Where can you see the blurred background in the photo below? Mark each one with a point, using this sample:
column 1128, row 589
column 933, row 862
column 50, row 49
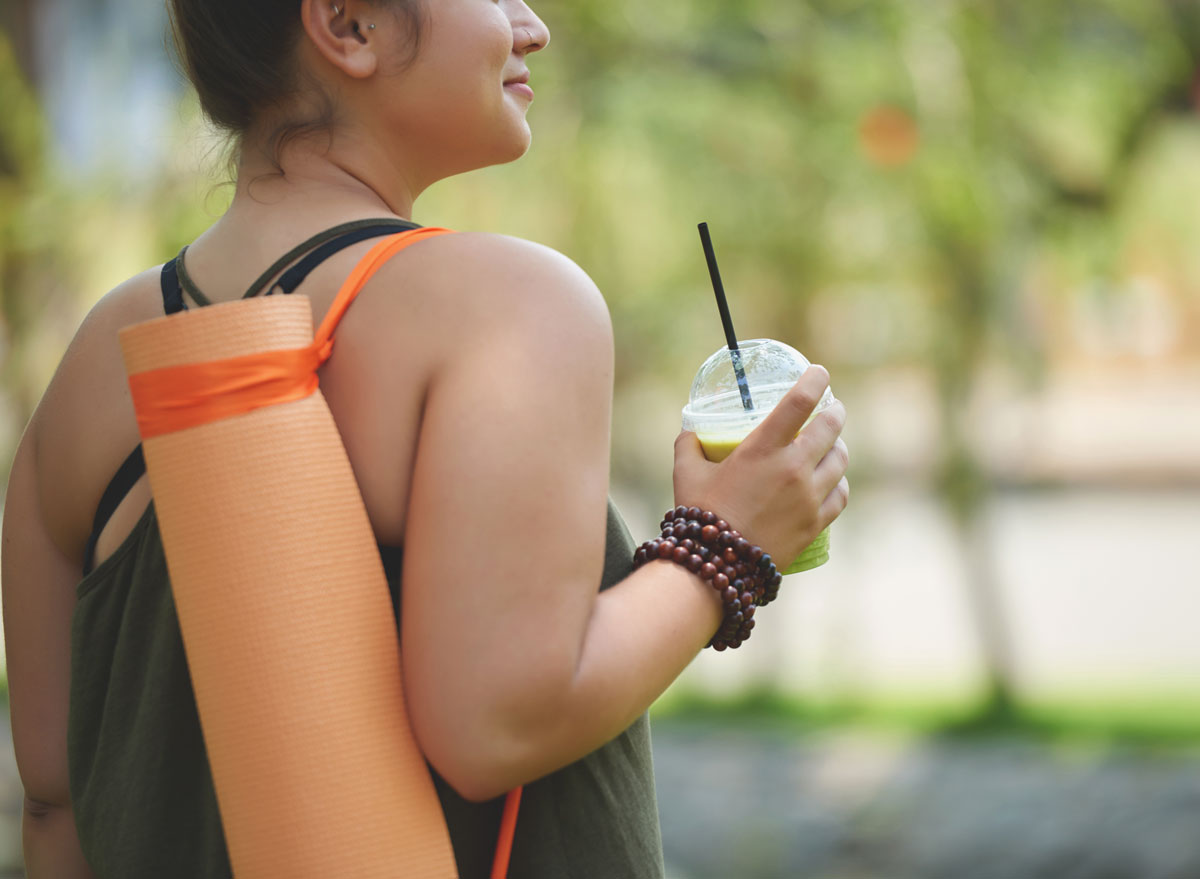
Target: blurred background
column 982, row 215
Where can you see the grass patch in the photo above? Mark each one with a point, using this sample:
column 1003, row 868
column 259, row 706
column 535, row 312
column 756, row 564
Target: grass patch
column 1160, row 721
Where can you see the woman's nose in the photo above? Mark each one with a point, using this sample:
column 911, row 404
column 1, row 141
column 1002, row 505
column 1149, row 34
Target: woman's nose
column 530, row 33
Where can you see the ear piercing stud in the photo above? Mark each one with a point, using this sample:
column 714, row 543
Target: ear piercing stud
column 337, row 11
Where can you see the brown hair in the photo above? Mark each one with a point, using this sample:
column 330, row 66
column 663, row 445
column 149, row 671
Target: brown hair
column 239, row 56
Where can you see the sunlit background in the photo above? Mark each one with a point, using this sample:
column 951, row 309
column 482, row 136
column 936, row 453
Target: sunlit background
column 982, row 215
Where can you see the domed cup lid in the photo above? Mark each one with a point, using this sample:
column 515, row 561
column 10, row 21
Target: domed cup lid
column 715, row 407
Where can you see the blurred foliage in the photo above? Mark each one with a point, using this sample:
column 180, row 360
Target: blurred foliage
column 22, row 149
column 889, row 184
column 1154, row 722
column 925, row 186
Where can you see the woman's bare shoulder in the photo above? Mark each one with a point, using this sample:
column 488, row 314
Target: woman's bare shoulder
column 489, row 280
column 84, row 425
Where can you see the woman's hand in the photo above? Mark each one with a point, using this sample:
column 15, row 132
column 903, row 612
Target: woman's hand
column 782, row 486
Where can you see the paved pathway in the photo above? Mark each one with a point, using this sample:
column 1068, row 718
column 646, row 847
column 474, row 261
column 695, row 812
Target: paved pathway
column 736, row 805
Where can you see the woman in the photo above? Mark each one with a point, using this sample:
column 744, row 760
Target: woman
column 471, row 383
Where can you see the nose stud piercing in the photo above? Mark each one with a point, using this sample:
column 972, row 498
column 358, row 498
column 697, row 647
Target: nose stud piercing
column 336, row 11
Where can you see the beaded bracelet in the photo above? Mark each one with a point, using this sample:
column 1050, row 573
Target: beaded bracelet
column 705, row 544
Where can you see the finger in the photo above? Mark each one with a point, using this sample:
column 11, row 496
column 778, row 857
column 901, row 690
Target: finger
column 783, row 423
column 687, row 445
column 822, row 433
column 689, row 454
column 831, row 468
column 835, row 502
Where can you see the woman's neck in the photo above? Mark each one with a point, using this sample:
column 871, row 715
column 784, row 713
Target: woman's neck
column 324, row 177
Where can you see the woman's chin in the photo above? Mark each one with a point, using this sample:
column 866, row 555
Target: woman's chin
column 515, row 145
column 498, row 150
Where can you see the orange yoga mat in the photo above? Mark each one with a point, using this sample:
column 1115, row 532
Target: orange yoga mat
column 282, row 600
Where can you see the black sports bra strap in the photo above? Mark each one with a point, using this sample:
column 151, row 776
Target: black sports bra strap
column 131, row 470
column 325, row 241
column 174, row 280
column 294, row 277
column 186, row 282
column 172, row 293
column 384, row 224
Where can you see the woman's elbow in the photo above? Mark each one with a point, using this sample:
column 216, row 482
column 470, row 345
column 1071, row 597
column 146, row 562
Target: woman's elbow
column 484, row 754
column 477, row 771
column 38, row 810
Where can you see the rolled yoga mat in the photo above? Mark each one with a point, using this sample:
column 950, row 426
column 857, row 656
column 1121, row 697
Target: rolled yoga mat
column 282, row 601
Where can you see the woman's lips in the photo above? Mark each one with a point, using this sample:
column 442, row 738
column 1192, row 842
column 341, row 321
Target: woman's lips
column 519, row 88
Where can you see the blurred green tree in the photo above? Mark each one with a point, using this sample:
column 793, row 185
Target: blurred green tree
column 23, row 147
column 883, row 178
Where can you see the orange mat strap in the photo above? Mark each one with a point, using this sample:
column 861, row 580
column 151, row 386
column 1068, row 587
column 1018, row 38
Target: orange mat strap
column 178, row 397
column 508, row 827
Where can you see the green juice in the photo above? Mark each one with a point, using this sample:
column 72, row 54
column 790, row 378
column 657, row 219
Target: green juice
column 816, row 553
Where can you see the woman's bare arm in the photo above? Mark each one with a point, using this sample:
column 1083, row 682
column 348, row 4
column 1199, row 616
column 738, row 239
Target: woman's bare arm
column 514, row 664
column 39, row 596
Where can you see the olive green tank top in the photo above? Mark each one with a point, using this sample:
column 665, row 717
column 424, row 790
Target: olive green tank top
column 143, row 797
column 141, row 789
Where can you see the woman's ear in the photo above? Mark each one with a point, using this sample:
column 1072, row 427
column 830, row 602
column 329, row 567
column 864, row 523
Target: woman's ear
column 343, row 33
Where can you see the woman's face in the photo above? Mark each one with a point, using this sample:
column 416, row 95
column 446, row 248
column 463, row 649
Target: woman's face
column 465, row 97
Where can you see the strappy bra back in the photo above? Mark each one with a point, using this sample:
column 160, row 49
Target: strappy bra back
column 284, row 276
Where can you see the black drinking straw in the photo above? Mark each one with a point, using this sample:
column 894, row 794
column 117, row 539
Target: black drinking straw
column 735, row 353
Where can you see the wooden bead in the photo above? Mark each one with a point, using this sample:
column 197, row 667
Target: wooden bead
column 743, row 574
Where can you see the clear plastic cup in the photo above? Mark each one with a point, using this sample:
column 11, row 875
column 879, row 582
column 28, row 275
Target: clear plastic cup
column 716, row 414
